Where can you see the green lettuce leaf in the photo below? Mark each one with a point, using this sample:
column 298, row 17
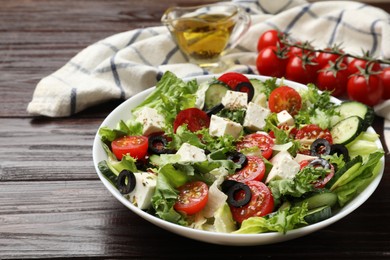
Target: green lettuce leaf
column 359, row 179
column 281, row 221
column 302, row 183
column 171, row 95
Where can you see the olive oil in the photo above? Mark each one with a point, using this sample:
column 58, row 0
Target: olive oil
column 203, row 37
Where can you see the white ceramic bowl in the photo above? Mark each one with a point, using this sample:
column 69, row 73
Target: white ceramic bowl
column 123, row 112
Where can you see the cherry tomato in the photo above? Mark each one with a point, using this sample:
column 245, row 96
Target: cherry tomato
column 302, row 69
column 332, row 79
column 194, row 118
column 309, row 133
column 271, row 62
column 355, row 64
column 385, row 79
column 263, row 141
column 285, row 98
column 297, row 51
column 254, row 170
column 365, row 89
column 323, row 58
column 319, row 184
column 192, row 197
column 261, row 203
column 269, row 38
column 233, row 78
column 135, row 146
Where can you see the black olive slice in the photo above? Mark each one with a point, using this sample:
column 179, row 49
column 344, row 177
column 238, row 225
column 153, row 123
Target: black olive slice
column 238, row 158
column 126, row 182
column 239, row 186
column 340, row 149
column 214, row 110
column 227, row 184
column 320, row 147
column 157, row 144
column 320, row 162
column 246, row 87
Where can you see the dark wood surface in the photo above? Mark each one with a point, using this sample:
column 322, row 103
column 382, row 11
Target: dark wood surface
column 52, row 204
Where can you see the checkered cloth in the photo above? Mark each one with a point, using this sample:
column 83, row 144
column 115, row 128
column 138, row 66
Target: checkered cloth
column 126, row 63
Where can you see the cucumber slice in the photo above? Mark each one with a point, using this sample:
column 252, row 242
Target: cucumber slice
column 346, row 130
column 354, row 108
column 320, row 200
column 214, row 94
column 318, row 214
column 345, row 174
column 350, row 166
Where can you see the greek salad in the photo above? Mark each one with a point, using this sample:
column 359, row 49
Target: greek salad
column 241, row 155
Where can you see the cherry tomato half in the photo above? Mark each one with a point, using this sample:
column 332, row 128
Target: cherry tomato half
column 269, row 38
column 254, row 170
column 194, row 118
column 192, row 197
column 285, row 98
column 135, row 146
column 232, row 79
column 263, row 141
column 365, row 89
column 319, row 184
column 261, row 203
column 309, row 133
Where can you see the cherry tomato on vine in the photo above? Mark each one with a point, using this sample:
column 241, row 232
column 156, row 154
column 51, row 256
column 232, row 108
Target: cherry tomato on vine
column 192, row 197
column 285, row 98
column 355, row 64
column 135, row 146
column 253, row 170
column 194, row 118
column 385, row 79
column 302, row 69
column 260, row 204
column 232, row 79
column 367, row 89
column 272, row 62
column 269, row 38
column 263, row 141
column 333, row 79
column 323, row 58
column 298, row 51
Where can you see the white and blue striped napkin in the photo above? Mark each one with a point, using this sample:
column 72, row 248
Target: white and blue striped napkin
column 126, row 63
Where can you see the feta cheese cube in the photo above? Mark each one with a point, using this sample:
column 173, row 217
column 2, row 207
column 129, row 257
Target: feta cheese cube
column 234, row 100
column 284, row 167
column 220, row 126
column 190, row 153
column 151, row 120
column 255, row 117
column 284, row 118
column 145, row 185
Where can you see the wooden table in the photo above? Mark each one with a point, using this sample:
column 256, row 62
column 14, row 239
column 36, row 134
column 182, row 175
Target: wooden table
column 52, row 204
